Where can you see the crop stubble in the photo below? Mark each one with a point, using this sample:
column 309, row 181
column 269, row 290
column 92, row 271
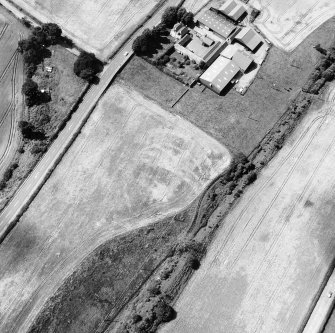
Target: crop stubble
column 132, row 164
column 274, row 249
column 94, row 25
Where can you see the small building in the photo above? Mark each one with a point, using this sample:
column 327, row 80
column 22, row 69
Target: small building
column 178, row 31
column 220, row 74
column 233, row 10
column 240, row 57
column 200, row 48
column 249, row 38
column 217, row 23
column 48, row 69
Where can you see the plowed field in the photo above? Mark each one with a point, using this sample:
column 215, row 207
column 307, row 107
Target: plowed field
column 94, row 25
column 288, row 23
column 11, row 80
column 273, row 251
column 132, row 164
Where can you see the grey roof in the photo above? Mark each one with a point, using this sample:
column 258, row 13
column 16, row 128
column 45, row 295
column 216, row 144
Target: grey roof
column 220, row 73
column 216, row 23
column 233, row 9
column 249, row 38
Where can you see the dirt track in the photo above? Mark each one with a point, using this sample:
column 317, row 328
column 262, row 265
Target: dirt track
column 288, row 23
column 133, row 163
column 274, row 249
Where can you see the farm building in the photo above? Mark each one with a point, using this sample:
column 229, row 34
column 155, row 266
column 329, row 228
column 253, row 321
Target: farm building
column 233, row 10
column 178, row 31
column 240, row 57
column 249, row 38
column 200, row 48
column 218, row 76
column 217, row 23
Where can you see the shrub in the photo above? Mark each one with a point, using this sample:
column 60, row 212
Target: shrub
column 136, row 318
column 252, row 176
column 202, row 64
column 164, row 312
column 38, row 148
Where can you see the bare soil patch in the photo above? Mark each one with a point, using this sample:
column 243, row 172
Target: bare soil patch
column 95, row 26
column 288, row 23
column 132, row 164
column 273, row 251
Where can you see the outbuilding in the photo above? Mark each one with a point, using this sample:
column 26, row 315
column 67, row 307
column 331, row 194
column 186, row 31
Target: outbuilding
column 249, row 38
column 240, row 57
column 233, row 10
column 220, row 74
column 211, row 20
column 178, row 31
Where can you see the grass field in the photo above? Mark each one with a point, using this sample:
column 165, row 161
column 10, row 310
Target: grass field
column 94, row 25
column 132, row 164
column 236, row 121
column 11, row 79
column 274, row 249
column 288, row 23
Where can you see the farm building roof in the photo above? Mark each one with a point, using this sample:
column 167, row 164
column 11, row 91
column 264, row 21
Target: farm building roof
column 216, row 23
column 233, row 9
column 180, row 29
column 220, row 73
column 249, row 37
column 196, row 45
column 229, row 51
column 242, row 59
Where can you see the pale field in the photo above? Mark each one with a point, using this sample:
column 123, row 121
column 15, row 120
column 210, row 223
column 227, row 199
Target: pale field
column 195, row 5
column 274, row 249
column 287, row 23
column 11, row 80
column 132, row 164
column 94, row 25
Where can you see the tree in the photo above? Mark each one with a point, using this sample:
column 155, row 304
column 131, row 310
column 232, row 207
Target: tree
column 180, row 13
column 30, row 88
column 169, row 17
column 87, row 66
column 40, row 36
column 188, row 19
column 53, row 32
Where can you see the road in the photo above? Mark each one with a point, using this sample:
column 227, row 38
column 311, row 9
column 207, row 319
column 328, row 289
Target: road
column 38, row 175
column 322, row 309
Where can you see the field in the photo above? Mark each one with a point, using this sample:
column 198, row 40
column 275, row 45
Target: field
column 94, row 25
column 132, row 164
column 287, row 23
column 238, row 122
column 11, row 79
column 274, row 249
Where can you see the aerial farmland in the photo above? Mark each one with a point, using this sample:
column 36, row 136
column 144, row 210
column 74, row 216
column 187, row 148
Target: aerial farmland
column 173, row 166
column 288, row 23
column 135, row 163
column 276, row 247
column 11, row 80
column 96, row 26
